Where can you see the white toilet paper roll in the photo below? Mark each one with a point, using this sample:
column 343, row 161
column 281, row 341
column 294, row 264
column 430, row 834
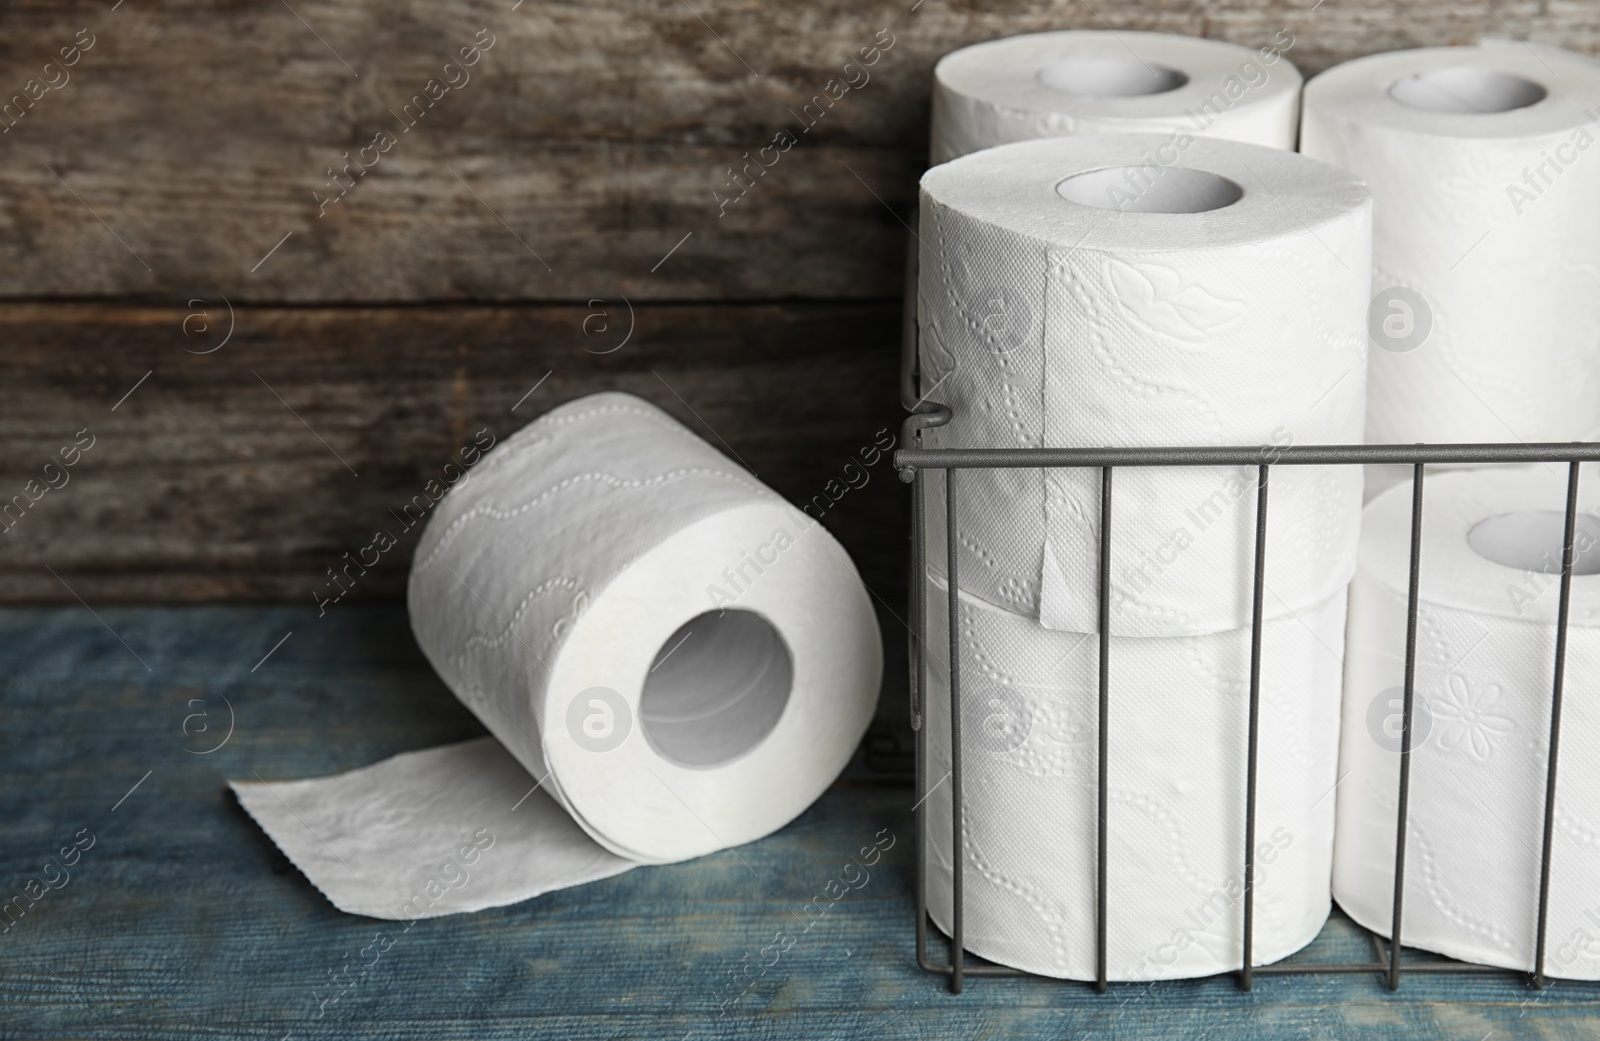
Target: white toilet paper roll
column 678, row 657
column 1066, row 83
column 1484, row 668
column 1178, row 732
column 1073, row 296
column 1486, row 238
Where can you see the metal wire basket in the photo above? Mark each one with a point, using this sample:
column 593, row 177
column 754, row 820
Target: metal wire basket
column 913, row 463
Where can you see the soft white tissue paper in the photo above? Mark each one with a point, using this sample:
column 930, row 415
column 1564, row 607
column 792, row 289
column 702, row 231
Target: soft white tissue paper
column 1178, row 733
column 1072, row 82
column 678, row 657
column 423, row 834
column 1485, row 661
column 1046, row 321
column 1486, row 238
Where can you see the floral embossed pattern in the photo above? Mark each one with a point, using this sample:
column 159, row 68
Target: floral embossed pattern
column 1465, row 718
column 1156, row 297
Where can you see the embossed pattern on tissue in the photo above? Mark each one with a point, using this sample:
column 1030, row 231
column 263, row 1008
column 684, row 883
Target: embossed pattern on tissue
column 1422, row 865
column 937, row 361
column 1420, row 849
column 1050, row 915
column 1462, row 714
column 979, row 349
column 538, row 435
column 1154, row 296
column 1181, row 859
column 1579, row 828
column 980, row 335
column 1052, row 743
column 467, row 666
column 610, row 480
column 1096, row 324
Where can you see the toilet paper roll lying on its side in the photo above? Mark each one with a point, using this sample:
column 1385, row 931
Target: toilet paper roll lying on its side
column 1485, row 657
column 1178, row 742
column 1058, row 84
column 673, row 660
column 1485, row 178
column 1223, row 303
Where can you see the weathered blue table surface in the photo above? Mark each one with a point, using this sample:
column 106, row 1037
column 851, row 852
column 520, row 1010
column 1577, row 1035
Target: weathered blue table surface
column 177, row 918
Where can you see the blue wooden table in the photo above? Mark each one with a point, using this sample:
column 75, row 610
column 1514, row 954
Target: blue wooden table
column 177, row 918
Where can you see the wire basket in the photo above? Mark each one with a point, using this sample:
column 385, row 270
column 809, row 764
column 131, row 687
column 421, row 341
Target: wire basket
column 913, row 463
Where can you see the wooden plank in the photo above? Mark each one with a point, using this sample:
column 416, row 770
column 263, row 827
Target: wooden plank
column 575, row 153
column 248, row 471
column 182, row 921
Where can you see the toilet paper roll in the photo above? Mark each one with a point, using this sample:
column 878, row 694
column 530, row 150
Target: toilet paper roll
column 1072, row 296
column 1178, row 729
column 1486, row 238
column 672, row 660
column 1485, row 656
column 1058, row 84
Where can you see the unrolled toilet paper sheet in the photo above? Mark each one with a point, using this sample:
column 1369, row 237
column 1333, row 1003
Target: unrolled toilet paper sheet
column 445, row 830
column 1177, row 732
column 1050, row 321
column 574, row 593
column 1484, row 669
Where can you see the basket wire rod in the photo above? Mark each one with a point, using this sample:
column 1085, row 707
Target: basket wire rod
column 1246, row 971
column 1568, row 552
column 957, row 847
column 917, row 631
column 909, row 333
column 1380, row 956
column 1102, row 782
column 1236, row 455
column 1406, row 721
column 918, row 724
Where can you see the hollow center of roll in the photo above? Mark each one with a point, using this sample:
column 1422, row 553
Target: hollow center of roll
column 1150, row 189
column 1110, row 77
column 716, row 688
column 1531, row 540
column 1467, row 90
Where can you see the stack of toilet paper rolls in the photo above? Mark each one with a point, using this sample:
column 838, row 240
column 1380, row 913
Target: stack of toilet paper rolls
column 1038, row 329
column 1140, row 290
column 1485, row 321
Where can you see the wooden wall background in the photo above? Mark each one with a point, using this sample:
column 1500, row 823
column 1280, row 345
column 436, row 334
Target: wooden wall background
column 162, row 197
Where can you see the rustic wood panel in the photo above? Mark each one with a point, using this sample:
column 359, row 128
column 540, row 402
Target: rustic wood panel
column 195, row 133
column 176, row 158
column 248, row 471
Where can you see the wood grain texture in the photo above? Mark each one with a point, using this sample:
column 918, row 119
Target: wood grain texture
column 175, row 160
column 182, row 920
column 587, row 141
column 248, row 471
